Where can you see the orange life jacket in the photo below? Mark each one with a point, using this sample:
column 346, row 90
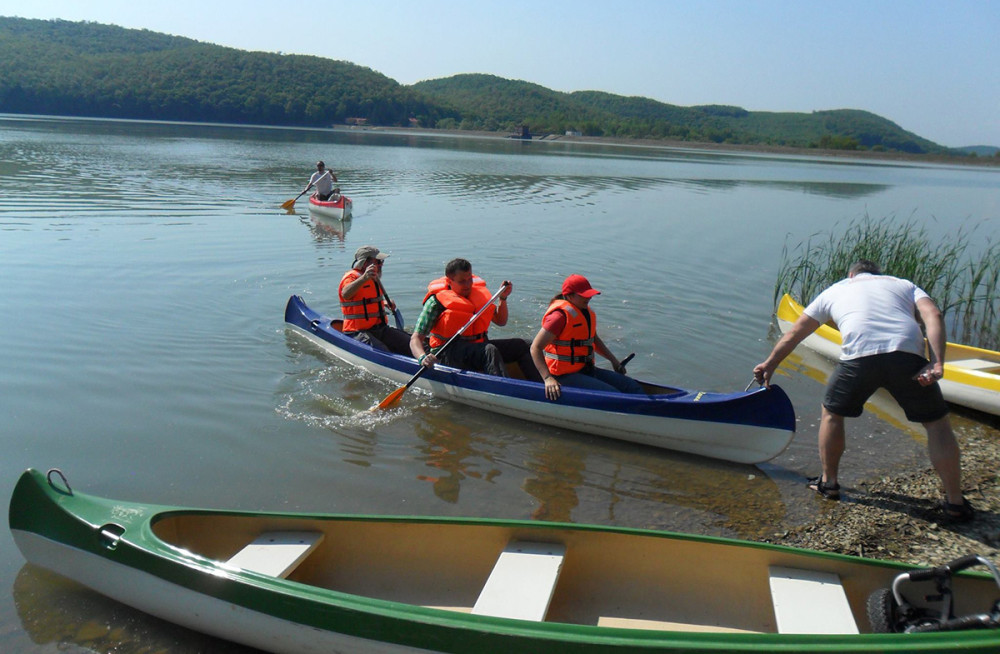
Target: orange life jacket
column 365, row 309
column 573, row 348
column 459, row 310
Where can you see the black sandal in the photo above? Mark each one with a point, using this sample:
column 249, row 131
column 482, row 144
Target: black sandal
column 958, row 512
column 829, row 491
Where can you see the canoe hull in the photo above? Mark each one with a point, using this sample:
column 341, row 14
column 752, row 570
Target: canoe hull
column 180, row 605
column 748, row 427
column 973, row 388
column 339, row 210
column 408, row 584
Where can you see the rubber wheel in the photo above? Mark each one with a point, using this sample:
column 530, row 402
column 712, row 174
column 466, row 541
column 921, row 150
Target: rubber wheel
column 883, row 611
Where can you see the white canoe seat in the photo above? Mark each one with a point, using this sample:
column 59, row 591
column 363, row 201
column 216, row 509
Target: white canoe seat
column 522, row 581
column 277, row 553
column 810, row 602
column 982, row 365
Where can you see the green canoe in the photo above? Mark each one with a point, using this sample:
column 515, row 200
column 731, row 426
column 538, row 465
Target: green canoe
column 343, row 583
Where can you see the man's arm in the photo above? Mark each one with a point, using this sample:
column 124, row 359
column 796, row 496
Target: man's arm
column 428, row 316
column 800, row 330
column 937, row 339
column 500, row 315
column 371, row 272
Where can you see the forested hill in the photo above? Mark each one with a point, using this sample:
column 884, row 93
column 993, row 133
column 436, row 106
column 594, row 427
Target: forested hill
column 488, row 102
column 88, row 69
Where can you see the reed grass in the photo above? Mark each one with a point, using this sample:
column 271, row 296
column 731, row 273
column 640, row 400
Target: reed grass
column 960, row 273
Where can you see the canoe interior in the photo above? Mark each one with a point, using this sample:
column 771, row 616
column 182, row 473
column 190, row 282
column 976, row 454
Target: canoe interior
column 646, row 580
column 514, row 371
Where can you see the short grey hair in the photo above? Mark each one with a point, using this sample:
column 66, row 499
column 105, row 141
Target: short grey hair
column 864, row 266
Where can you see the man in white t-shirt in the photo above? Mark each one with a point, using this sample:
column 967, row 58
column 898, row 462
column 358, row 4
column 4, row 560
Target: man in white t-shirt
column 323, row 180
column 883, row 347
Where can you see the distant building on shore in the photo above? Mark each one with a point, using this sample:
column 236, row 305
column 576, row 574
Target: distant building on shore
column 521, row 132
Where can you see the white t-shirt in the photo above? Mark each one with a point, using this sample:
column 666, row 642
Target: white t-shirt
column 323, row 181
column 874, row 313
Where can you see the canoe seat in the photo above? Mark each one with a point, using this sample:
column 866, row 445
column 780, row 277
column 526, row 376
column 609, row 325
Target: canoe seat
column 522, row 581
column 277, row 553
column 976, row 364
column 810, row 602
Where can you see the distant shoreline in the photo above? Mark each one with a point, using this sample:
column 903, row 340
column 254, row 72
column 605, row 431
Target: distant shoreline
column 861, row 155
column 990, row 162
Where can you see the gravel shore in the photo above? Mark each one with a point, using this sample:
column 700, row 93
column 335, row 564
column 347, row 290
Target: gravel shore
column 898, row 519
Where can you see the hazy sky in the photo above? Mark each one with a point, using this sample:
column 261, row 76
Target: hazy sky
column 931, row 66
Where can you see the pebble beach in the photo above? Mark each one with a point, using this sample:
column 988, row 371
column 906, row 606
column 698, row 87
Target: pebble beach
column 897, row 518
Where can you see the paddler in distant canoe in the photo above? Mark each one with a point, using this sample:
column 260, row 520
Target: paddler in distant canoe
column 323, row 179
column 563, row 350
column 450, row 305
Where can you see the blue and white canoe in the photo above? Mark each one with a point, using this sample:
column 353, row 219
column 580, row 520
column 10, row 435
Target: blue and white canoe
column 743, row 427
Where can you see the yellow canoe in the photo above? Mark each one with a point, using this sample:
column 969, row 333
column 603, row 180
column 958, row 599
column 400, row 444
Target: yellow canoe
column 971, row 374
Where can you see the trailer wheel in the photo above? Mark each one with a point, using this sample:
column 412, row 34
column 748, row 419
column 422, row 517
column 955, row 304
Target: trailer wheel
column 883, row 612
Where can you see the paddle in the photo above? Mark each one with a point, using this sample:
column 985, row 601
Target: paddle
column 288, row 204
column 396, row 313
column 621, row 364
column 393, row 397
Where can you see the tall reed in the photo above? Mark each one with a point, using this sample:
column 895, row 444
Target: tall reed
column 961, row 275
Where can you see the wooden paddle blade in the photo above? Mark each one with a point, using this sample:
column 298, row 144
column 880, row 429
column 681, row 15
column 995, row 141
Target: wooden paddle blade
column 391, row 399
column 288, row 204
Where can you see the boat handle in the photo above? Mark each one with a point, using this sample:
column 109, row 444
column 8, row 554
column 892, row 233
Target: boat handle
column 57, row 471
column 110, row 535
column 315, row 324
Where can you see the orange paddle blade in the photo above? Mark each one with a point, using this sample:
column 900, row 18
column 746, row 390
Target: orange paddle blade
column 288, row 204
column 391, row 399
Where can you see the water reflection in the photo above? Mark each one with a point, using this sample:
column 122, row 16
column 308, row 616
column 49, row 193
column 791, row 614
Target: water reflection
column 327, row 230
column 558, row 471
column 515, row 189
column 453, row 453
column 578, row 478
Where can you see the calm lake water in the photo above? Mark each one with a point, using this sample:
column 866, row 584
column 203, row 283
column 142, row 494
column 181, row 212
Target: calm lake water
column 146, row 267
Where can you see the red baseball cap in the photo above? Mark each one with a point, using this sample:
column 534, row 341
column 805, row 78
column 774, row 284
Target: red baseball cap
column 578, row 284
